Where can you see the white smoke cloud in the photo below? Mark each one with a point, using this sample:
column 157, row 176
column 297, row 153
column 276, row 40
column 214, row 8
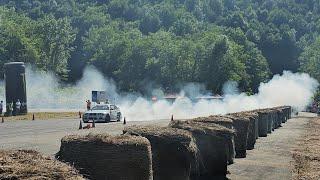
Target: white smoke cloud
column 45, row 93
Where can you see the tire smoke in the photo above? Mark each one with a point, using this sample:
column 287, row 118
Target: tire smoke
column 46, row 93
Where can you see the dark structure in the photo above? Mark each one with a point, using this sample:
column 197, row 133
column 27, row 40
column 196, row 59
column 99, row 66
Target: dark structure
column 16, row 85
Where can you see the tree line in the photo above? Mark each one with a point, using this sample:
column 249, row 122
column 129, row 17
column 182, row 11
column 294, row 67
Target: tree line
column 164, row 41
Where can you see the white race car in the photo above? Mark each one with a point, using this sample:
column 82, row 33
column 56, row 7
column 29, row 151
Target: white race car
column 102, row 113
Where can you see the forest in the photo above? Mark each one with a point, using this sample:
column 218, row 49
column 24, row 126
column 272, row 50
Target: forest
column 166, row 42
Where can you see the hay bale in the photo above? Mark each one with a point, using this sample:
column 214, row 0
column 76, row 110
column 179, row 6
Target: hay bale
column 29, row 164
column 263, row 122
column 270, row 120
column 101, row 156
column 212, row 145
column 280, row 116
column 253, row 127
column 217, row 119
column 225, row 122
column 287, row 111
column 173, row 151
column 241, row 125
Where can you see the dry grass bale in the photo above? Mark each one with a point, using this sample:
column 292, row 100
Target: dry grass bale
column 255, row 116
column 241, row 125
column 213, row 148
column 253, row 127
column 173, row 151
column 101, row 156
column 225, row 122
column 287, row 111
column 29, row 164
column 217, row 119
column 280, row 116
column 270, row 120
column 263, row 122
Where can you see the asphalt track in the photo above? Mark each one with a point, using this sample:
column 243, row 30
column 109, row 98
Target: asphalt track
column 45, row 135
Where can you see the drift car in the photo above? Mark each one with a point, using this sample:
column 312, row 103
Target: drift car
column 102, row 113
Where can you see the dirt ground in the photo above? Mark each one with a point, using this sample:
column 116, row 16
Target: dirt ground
column 307, row 153
column 272, row 157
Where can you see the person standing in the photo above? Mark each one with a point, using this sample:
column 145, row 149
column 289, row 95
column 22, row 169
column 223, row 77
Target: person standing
column 18, row 107
column 1, row 107
column 9, row 108
column 88, row 105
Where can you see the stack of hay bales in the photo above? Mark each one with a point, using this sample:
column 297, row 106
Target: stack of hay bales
column 212, row 145
column 28, row 164
column 173, row 151
column 241, row 125
column 107, row 157
column 225, row 122
column 288, row 111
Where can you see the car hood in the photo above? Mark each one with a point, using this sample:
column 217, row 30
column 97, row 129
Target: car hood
column 97, row 111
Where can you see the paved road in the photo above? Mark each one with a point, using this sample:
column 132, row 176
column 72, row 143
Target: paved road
column 271, row 159
column 45, row 136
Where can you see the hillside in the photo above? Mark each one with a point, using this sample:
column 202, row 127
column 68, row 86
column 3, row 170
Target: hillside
column 166, row 42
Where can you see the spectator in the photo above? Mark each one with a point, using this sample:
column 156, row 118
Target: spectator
column 9, row 109
column 18, row 107
column 1, row 107
column 88, row 105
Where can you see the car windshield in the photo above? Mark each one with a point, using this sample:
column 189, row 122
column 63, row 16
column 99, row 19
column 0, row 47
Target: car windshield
column 100, row 108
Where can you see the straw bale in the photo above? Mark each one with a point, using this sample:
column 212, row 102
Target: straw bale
column 271, row 119
column 29, row 164
column 216, row 119
column 241, row 125
column 280, row 116
column 174, row 151
column 212, row 145
column 225, row 122
column 263, row 122
column 287, row 111
column 101, row 156
column 253, row 127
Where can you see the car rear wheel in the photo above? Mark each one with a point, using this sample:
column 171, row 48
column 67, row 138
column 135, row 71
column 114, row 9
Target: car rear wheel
column 118, row 117
column 108, row 118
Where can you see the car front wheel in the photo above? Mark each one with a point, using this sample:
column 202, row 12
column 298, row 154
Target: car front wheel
column 108, row 118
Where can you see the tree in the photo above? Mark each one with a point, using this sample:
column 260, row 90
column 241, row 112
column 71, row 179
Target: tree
column 310, row 59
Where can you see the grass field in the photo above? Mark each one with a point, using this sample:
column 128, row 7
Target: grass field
column 45, row 116
column 307, row 155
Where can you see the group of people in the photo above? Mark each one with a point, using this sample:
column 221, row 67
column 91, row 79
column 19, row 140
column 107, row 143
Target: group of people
column 13, row 108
